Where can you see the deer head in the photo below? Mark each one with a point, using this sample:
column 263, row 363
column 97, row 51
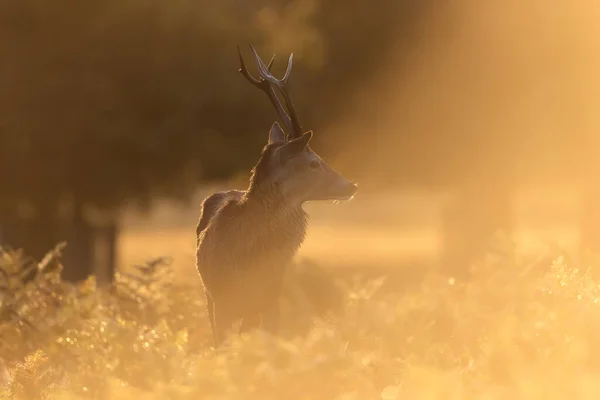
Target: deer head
column 288, row 163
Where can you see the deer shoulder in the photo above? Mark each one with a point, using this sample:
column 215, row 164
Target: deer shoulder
column 212, row 204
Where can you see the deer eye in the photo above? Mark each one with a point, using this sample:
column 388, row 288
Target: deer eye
column 314, row 164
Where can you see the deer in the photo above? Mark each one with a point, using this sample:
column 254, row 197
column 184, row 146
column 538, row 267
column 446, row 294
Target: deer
column 245, row 239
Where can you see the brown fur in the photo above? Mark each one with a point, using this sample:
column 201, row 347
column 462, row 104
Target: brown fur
column 245, row 241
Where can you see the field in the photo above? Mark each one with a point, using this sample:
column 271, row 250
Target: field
column 374, row 231
column 525, row 326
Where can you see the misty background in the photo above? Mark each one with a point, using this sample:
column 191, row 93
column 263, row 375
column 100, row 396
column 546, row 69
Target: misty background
column 460, row 120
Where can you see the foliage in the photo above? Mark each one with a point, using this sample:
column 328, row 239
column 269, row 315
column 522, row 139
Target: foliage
column 121, row 100
column 518, row 329
column 126, row 101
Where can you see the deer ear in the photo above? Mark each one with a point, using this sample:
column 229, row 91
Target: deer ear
column 295, row 146
column 276, row 134
column 300, row 142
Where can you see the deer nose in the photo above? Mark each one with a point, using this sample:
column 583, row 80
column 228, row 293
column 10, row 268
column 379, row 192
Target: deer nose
column 349, row 189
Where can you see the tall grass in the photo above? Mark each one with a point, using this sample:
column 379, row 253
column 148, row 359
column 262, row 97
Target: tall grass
column 518, row 329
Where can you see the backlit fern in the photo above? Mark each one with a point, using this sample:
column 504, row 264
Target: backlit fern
column 517, row 329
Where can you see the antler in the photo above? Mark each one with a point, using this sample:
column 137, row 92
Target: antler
column 267, row 83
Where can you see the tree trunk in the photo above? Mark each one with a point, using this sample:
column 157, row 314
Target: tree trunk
column 13, row 230
column 482, row 211
column 108, row 236
column 589, row 223
column 78, row 257
column 33, row 229
column 35, row 232
column 590, row 220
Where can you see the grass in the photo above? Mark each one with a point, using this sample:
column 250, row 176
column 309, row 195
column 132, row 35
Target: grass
column 519, row 329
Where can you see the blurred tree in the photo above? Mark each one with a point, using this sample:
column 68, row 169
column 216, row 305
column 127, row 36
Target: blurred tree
column 590, row 210
column 103, row 102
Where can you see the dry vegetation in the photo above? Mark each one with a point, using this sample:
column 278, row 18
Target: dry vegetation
column 519, row 329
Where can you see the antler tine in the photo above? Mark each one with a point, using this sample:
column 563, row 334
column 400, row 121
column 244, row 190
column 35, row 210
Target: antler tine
column 271, row 63
column 245, row 71
column 266, row 87
column 281, row 84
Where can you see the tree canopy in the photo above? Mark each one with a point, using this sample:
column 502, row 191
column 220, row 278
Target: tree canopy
column 103, row 102
column 114, row 100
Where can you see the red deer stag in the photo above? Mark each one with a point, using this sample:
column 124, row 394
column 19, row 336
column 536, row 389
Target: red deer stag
column 247, row 238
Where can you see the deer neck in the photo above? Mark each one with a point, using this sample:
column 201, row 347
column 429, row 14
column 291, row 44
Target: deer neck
column 273, row 207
